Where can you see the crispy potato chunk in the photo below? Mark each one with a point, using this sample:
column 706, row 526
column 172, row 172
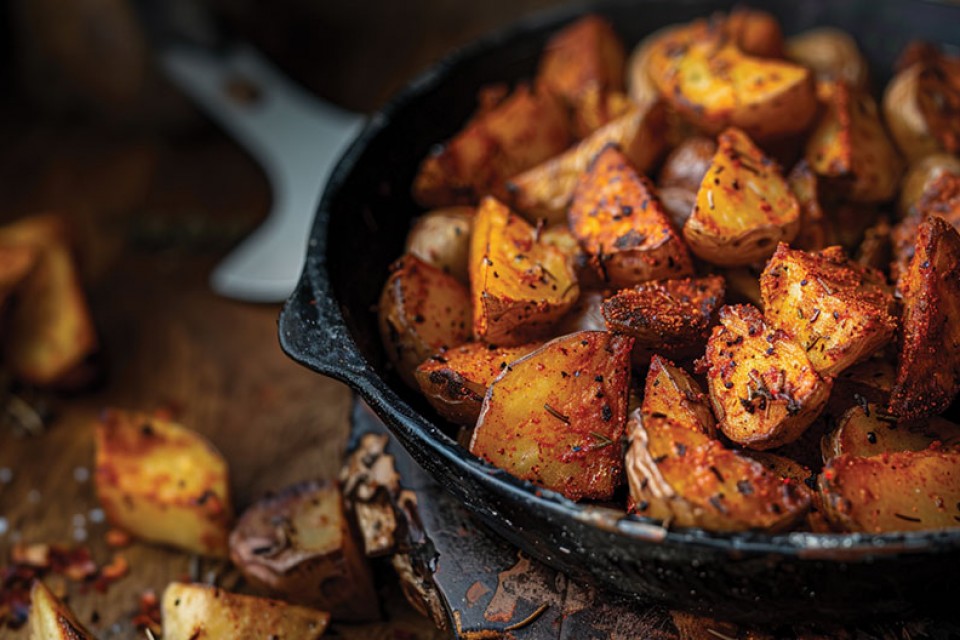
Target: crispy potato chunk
column 920, row 177
column 903, row 491
column 941, row 198
column 51, row 619
column 928, row 373
column 705, row 76
column 669, row 317
column 556, row 416
column 442, row 238
column 524, row 130
column 671, row 392
column 836, row 309
column 832, row 54
column 850, row 144
column 545, row 191
column 192, row 611
column 684, row 477
column 865, row 431
column 640, row 86
column 815, row 227
column 521, row 287
column 456, row 380
column 162, row 482
column 688, row 163
column 744, row 206
column 618, row 219
column 422, row 310
column 765, row 391
column 297, row 545
column 50, row 333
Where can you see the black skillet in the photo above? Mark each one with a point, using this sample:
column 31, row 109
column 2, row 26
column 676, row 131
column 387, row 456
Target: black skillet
column 329, row 325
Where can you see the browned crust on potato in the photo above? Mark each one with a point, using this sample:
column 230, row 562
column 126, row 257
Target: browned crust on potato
column 671, row 392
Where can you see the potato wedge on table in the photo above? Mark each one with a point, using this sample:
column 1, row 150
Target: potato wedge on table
column 456, row 380
column 520, row 286
column 836, row 309
column 194, row 611
column 765, row 391
column 744, row 206
column 297, row 545
column 421, row 311
column 51, row 619
column 442, row 238
column 850, row 145
column 527, row 128
column 928, row 373
column 670, row 392
column 619, row 221
column 867, row 430
column 669, row 317
column 832, row 54
column 904, row 491
column 546, row 190
column 707, row 77
column 162, row 482
column 556, row 416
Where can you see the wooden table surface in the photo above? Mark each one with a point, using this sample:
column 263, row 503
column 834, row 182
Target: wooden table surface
column 154, row 213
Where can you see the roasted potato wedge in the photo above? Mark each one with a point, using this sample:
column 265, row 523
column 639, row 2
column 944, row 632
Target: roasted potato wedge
column 455, row 381
column 850, row 145
column 941, row 198
column 193, row 611
column 867, row 430
column 556, row 416
column 51, row 619
column 706, row 77
column 524, row 130
column 688, row 163
column 640, row 86
column 422, row 310
column 832, row 54
column 687, row 479
column 162, row 482
column 928, row 373
column 546, row 190
column 442, row 238
column 297, row 545
column 815, row 227
column 669, row 317
column 836, row 309
column 520, row 286
column 903, row 491
column 560, row 237
column 744, row 206
column 670, row 392
column 618, row 219
column 764, row 390
column 920, row 177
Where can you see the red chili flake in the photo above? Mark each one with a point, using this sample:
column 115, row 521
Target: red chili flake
column 148, row 614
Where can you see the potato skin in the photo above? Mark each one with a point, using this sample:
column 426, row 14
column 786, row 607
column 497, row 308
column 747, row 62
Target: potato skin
column 671, row 392
column 422, row 310
column 556, row 416
column 867, row 430
column 832, row 55
column 941, row 198
column 920, row 177
column 764, row 390
column 687, row 164
column 442, row 238
column 51, row 619
column 744, row 206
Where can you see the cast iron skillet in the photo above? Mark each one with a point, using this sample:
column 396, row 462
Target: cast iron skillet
column 329, row 325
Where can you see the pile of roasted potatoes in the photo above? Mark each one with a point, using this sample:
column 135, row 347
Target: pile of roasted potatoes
column 717, row 272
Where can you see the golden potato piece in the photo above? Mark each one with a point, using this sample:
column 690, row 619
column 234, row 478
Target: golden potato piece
column 941, row 198
column 688, row 163
column 51, row 619
column 456, row 380
column 921, row 176
column 850, row 144
column 670, row 392
column 442, row 238
column 669, row 317
column 928, row 373
column 50, row 333
column 194, row 611
column 706, row 77
column 297, row 545
column 832, row 54
column 162, row 482
column 903, row 491
column 687, row 479
column 422, row 310
column 744, row 206
column 765, row 391
column 524, row 130
column 556, row 416
column 836, row 309
column 521, row 287
column 618, row 219
column 867, row 430
column 545, row 191
column 640, row 86
column 598, row 109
